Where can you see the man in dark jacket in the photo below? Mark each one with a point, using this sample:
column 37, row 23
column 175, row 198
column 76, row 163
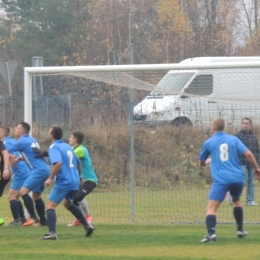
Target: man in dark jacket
column 249, row 139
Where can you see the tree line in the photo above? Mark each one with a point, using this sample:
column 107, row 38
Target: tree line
column 97, row 32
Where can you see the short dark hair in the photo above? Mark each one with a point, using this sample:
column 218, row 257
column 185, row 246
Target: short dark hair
column 56, row 132
column 25, row 126
column 218, row 123
column 79, row 136
column 6, row 129
column 247, row 118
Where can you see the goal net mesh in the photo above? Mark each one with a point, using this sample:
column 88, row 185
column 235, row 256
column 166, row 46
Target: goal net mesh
column 172, row 114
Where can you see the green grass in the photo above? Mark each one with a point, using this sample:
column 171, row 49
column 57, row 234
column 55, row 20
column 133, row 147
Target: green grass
column 136, row 240
column 129, row 242
column 166, row 206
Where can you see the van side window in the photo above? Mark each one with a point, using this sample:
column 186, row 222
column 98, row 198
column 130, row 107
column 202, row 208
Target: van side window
column 202, row 85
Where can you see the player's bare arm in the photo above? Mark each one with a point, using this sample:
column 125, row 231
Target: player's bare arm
column 208, row 161
column 79, row 170
column 12, row 159
column 6, row 171
column 55, row 169
column 17, row 159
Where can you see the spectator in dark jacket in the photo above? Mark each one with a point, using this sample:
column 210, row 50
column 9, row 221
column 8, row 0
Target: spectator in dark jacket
column 247, row 136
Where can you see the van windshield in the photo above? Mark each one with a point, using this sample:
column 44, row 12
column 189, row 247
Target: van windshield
column 202, row 85
column 172, row 82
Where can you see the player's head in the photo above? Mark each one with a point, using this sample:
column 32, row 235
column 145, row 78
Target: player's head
column 217, row 124
column 246, row 124
column 55, row 133
column 22, row 129
column 4, row 131
column 76, row 138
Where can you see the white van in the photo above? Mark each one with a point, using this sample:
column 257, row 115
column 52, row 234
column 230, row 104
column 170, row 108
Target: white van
column 203, row 95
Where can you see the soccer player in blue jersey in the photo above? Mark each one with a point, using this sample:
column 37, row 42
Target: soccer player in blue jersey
column 40, row 172
column 66, row 176
column 88, row 176
column 227, row 174
column 20, row 173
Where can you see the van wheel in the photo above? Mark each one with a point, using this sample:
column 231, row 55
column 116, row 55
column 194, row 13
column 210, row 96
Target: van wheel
column 181, row 121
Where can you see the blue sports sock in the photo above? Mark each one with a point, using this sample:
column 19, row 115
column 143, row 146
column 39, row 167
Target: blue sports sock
column 75, row 210
column 211, row 222
column 238, row 214
column 28, row 202
column 15, row 209
column 40, row 208
column 51, row 220
column 21, row 212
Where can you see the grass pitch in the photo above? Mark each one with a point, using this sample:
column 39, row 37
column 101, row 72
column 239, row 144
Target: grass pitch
column 129, row 242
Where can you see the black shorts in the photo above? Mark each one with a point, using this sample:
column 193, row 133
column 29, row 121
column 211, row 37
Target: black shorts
column 84, row 190
column 3, row 183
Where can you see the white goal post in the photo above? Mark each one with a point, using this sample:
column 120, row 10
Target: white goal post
column 29, row 72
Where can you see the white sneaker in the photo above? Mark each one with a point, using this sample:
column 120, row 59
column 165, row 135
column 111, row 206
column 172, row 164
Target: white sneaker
column 241, row 234
column 49, row 236
column 252, row 203
column 209, row 238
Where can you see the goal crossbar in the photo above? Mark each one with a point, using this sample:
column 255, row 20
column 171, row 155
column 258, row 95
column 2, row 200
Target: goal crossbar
column 29, row 72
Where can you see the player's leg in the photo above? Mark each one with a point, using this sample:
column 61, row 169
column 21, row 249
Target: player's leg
column 84, row 190
column 13, row 197
column 85, row 210
column 216, row 196
column 75, row 210
column 55, row 197
column 3, row 183
column 15, row 205
column 236, row 191
column 51, row 221
column 40, row 207
column 28, row 186
column 35, row 182
column 21, row 212
column 84, row 207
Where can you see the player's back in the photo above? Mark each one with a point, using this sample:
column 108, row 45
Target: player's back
column 25, row 146
column 225, row 164
column 21, row 169
column 68, row 176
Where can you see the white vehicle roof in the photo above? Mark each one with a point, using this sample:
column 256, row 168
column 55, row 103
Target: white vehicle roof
column 220, row 59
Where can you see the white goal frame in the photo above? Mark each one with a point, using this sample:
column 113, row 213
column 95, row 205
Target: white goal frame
column 29, row 72
column 221, row 63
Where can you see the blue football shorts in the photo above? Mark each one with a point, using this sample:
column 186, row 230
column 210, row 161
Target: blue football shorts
column 57, row 195
column 218, row 191
column 17, row 182
column 35, row 181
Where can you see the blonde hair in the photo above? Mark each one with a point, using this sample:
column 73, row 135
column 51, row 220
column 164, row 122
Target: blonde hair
column 5, row 129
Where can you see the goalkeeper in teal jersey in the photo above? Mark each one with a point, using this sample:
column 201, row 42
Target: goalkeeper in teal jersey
column 89, row 178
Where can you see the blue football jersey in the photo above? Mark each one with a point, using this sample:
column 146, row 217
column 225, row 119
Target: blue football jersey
column 68, row 176
column 21, row 169
column 225, row 164
column 25, row 146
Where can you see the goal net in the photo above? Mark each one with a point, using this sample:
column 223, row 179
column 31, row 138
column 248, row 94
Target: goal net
column 145, row 146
